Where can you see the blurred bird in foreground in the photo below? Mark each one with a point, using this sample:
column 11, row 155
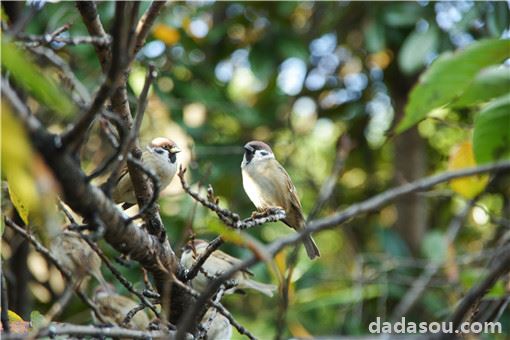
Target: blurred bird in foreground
column 268, row 185
column 77, row 257
column 114, row 309
column 216, row 325
column 215, row 265
column 161, row 157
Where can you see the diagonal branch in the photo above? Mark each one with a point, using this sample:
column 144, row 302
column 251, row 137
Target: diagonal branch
column 474, row 295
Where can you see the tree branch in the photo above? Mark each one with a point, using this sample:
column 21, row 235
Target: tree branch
column 94, row 26
column 95, row 331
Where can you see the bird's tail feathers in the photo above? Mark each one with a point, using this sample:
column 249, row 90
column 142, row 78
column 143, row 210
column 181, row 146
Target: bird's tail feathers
column 311, row 248
column 264, row 288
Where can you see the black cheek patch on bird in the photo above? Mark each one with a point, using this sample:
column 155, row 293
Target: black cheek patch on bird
column 249, row 156
column 172, row 157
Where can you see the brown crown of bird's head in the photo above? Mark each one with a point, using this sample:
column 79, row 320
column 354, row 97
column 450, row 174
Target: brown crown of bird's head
column 257, row 145
column 166, row 144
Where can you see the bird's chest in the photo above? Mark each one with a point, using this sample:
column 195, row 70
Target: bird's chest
column 260, row 188
column 163, row 169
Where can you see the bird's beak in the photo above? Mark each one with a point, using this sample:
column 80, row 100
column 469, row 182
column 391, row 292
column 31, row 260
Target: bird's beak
column 248, row 148
column 175, row 149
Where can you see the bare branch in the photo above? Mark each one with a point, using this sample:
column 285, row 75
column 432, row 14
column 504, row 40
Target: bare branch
column 145, row 24
column 95, row 331
column 67, row 73
column 75, row 134
column 118, row 275
column 93, row 23
column 472, row 298
column 132, row 313
column 32, row 40
column 219, row 307
column 344, row 146
column 195, row 268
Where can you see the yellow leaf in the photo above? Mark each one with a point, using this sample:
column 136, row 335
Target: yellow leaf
column 461, row 157
column 281, row 263
column 298, row 330
column 13, row 316
column 17, row 157
column 166, row 34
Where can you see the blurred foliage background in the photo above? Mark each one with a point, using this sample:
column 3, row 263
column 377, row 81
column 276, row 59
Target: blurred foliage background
column 299, row 75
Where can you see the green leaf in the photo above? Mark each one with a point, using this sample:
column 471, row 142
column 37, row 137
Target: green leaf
column 402, row 14
column 434, row 246
column 449, row 76
column 375, row 39
column 413, row 54
column 491, row 135
column 491, row 82
column 31, row 78
column 261, row 66
column 37, row 320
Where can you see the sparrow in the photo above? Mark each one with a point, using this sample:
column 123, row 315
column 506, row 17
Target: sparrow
column 216, row 325
column 268, row 185
column 114, row 308
column 77, row 257
column 216, row 264
column 161, row 157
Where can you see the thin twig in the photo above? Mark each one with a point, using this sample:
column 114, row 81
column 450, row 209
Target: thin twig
column 132, row 313
column 195, row 268
column 119, row 276
column 67, row 74
column 58, row 307
column 155, row 191
column 472, row 298
column 145, row 24
column 219, row 307
column 31, row 40
column 88, row 12
column 133, row 133
column 118, row 62
column 116, row 155
column 344, row 146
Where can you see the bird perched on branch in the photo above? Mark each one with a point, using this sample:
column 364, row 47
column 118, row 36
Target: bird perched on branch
column 268, row 185
column 77, row 257
column 114, row 309
column 216, row 264
column 161, row 157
